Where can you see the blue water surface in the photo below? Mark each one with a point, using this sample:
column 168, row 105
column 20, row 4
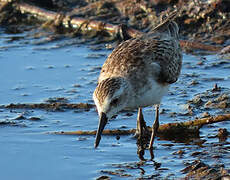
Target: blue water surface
column 33, row 72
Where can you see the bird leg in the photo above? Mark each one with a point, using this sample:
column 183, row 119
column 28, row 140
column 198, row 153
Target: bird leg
column 140, row 134
column 154, row 129
column 142, row 129
column 139, row 122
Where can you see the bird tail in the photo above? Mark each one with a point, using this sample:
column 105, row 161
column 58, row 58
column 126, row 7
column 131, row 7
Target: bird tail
column 168, row 25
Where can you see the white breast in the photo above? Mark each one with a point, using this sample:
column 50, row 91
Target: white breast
column 148, row 95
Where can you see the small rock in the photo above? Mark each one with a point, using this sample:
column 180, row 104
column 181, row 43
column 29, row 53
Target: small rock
column 200, row 63
column 205, row 114
column 20, row 117
column 197, row 101
column 208, row 104
column 76, row 85
column 223, row 132
column 56, row 100
column 129, row 114
column 179, row 152
column 222, row 97
column 196, row 153
column 34, row 118
column 162, row 111
column 50, row 67
column 103, row 178
column 95, row 55
column 216, row 156
column 109, row 46
column 223, row 104
column 216, row 88
column 225, row 50
column 67, row 66
column 173, row 114
column 82, row 139
column 194, row 82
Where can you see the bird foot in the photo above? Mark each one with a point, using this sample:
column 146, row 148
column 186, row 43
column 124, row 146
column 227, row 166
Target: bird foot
column 143, row 137
column 151, row 153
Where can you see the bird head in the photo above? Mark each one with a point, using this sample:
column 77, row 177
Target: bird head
column 110, row 97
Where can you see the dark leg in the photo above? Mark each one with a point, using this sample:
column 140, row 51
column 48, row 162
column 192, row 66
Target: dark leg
column 154, row 130
column 142, row 129
column 139, row 134
column 140, row 120
column 142, row 135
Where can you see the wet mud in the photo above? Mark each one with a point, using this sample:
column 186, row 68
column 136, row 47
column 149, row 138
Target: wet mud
column 201, row 21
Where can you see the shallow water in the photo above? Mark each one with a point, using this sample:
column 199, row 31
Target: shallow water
column 34, row 72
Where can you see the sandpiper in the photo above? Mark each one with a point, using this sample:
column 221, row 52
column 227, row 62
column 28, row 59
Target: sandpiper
column 137, row 74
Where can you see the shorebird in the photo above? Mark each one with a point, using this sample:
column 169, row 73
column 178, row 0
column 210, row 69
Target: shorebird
column 137, row 74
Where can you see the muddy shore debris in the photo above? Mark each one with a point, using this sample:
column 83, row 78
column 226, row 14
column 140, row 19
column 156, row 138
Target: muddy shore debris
column 55, row 106
column 203, row 25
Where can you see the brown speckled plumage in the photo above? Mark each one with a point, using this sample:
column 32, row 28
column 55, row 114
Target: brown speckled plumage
column 108, row 85
column 138, row 73
column 137, row 59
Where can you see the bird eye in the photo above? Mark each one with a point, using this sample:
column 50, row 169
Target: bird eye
column 114, row 102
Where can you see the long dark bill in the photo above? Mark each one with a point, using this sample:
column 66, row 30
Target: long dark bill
column 102, row 122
